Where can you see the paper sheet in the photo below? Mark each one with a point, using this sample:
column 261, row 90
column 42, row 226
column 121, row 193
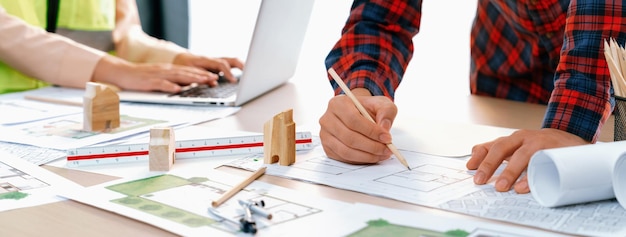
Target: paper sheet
column 445, row 183
column 65, row 132
column 442, row 138
column 362, row 220
column 571, row 175
column 33, row 154
column 23, row 184
column 178, row 201
column 619, row 180
column 17, row 111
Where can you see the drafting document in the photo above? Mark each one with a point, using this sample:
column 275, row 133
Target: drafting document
column 578, row 174
column 445, row 183
column 16, row 111
column 24, row 184
column 136, row 117
column 185, row 115
column 66, row 132
column 364, row 220
column 178, row 201
column 192, row 114
column 33, row 154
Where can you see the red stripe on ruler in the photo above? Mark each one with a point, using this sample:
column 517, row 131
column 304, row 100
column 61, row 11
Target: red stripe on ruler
column 222, row 147
column 178, row 150
column 108, row 155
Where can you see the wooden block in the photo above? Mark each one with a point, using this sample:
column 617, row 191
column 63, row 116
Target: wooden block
column 101, row 108
column 162, row 149
column 279, row 139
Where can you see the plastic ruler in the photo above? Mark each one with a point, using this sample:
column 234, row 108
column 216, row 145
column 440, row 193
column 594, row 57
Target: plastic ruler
column 200, row 148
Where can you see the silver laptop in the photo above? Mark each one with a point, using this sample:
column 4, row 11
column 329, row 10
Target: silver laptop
column 271, row 61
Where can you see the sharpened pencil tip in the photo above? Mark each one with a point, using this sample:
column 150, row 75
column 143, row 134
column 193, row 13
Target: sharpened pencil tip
column 408, row 168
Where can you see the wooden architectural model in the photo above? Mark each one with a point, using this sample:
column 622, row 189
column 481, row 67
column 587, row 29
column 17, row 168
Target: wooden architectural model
column 162, row 149
column 101, row 108
column 279, row 139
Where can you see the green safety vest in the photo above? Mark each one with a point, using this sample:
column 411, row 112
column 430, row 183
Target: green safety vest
column 87, row 21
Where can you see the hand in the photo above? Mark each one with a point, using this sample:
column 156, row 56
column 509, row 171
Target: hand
column 517, row 149
column 349, row 137
column 215, row 65
column 148, row 77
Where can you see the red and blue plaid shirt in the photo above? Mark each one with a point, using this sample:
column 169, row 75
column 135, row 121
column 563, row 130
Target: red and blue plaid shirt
column 538, row 51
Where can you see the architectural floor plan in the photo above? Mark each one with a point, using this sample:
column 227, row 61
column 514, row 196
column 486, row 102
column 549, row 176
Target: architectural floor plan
column 180, row 202
column 445, row 183
column 23, row 184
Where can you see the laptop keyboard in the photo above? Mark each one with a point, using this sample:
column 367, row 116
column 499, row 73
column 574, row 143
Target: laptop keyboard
column 223, row 90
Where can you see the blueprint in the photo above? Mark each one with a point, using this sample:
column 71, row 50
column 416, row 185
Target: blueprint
column 364, row 220
column 445, row 183
column 33, row 154
column 23, row 184
column 67, row 131
column 18, row 111
column 576, row 177
column 53, row 126
column 179, row 202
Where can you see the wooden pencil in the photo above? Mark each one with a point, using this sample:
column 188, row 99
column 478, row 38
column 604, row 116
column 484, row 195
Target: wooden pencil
column 239, row 187
column 53, row 100
column 616, row 60
column 364, row 112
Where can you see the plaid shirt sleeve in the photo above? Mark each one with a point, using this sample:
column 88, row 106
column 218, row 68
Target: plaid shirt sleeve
column 376, row 45
column 581, row 101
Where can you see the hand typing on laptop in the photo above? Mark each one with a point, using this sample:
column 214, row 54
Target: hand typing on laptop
column 186, row 70
column 225, row 87
column 164, row 77
column 221, row 66
column 140, row 63
column 271, row 61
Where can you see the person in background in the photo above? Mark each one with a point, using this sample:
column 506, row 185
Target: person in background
column 94, row 40
column 548, row 52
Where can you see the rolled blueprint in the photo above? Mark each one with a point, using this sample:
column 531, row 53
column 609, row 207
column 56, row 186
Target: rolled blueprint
column 619, row 180
column 571, row 175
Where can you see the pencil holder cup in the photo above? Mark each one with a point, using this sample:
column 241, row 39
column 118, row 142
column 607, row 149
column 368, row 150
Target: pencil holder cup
column 619, row 133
